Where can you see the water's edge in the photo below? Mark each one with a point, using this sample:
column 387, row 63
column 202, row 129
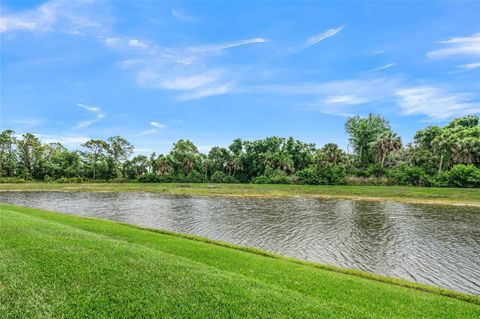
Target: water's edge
column 257, row 251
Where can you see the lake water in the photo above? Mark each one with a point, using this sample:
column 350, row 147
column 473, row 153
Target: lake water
column 436, row 245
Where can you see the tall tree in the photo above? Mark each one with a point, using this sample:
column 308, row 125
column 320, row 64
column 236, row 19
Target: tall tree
column 185, row 155
column 331, row 153
column 7, row 141
column 97, row 148
column 30, row 153
column 120, row 149
column 363, row 134
column 385, row 144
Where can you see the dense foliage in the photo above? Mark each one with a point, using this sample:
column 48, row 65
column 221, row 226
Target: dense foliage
column 438, row 156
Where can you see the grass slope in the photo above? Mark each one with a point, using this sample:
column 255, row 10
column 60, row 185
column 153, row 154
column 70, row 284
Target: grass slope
column 428, row 195
column 54, row 265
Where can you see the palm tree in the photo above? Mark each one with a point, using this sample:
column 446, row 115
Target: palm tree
column 332, row 153
column 444, row 144
column 385, row 144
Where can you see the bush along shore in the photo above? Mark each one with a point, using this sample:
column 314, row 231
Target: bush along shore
column 56, row 265
column 446, row 156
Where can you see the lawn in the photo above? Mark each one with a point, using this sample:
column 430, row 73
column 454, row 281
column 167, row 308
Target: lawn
column 460, row 196
column 54, row 265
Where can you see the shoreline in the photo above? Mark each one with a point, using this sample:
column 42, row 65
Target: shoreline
column 392, row 281
column 266, row 191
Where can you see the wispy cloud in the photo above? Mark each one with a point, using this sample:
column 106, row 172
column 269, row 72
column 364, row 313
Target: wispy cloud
column 68, row 140
column 206, row 92
column 436, row 103
column 313, row 40
column 337, row 97
column 73, row 17
column 138, row 44
column 93, row 109
column 458, row 47
column 180, row 15
column 181, row 69
column 383, row 67
column 28, row 122
column 156, row 126
column 226, row 45
column 470, row 66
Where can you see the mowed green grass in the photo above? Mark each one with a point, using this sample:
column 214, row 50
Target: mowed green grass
column 54, row 265
column 468, row 196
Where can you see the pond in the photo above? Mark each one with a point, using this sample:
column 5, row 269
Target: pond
column 436, row 245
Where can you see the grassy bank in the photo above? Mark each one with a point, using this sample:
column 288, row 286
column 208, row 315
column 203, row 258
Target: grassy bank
column 428, row 195
column 54, row 265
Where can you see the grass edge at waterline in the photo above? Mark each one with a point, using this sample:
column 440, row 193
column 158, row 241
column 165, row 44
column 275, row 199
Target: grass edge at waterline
column 404, row 194
column 72, row 219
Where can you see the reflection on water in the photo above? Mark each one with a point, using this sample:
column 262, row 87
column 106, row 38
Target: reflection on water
column 437, row 245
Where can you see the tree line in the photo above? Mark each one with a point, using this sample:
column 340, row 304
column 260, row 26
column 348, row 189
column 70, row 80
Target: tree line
column 438, row 156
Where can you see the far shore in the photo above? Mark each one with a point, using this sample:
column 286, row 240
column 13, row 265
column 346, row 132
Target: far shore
column 404, row 194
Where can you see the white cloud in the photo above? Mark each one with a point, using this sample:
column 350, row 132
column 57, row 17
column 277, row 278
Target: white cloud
column 73, row 17
column 190, row 82
column 138, row 44
column 113, row 41
column 470, row 66
column 458, row 47
column 322, row 36
column 436, row 103
column 337, row 97
column 68, row 140
column 206, row 92
column 181, row 69
column 317, row 39
column 383, row 67
column 148, row 132
column 157, row 124
column 227, row 45
column 93, row 109
column 345, row 100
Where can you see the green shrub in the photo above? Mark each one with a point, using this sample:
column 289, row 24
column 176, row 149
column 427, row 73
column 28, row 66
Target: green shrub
column 69, row 180
column 194, row 177
column 273, row 176
column 464, row 176
column 261, row 180
column 11, row 180
column 325, row 175
column 309, row 176
column 409, row 175
column 150, row 178
column 375, row 170
column 230, row 180
column 218, row 177
column 121, row 180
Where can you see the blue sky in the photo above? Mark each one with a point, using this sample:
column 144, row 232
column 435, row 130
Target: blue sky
column 155, row 72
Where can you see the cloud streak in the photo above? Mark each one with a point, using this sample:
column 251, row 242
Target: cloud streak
column 69, row 140
column 181, row 69
column 383, row 67
column 436, row 103
column 463, row 46
column 156, row 126
column 73, row 17
column 313, row 40
column 92, row 109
